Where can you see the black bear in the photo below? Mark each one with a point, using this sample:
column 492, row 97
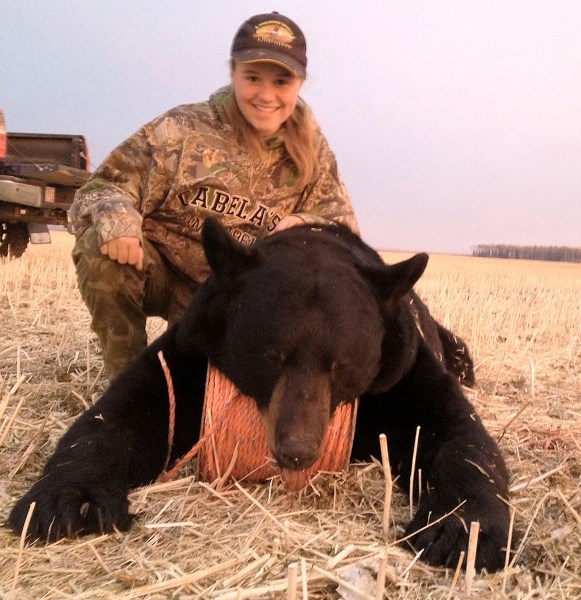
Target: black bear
column 302, row 321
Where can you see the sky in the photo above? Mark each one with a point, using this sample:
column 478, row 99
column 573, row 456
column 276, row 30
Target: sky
column 454, row 122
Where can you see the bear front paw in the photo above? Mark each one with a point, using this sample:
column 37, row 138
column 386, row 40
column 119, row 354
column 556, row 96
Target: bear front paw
column 69, row 511
column 442, row 541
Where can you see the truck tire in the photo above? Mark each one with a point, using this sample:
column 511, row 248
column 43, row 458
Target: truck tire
column 14, row 239
column 3, row 239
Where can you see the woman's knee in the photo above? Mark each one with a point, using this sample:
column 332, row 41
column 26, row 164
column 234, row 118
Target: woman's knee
column 98, row 275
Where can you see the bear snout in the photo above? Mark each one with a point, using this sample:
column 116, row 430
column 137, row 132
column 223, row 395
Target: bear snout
column 297, row 452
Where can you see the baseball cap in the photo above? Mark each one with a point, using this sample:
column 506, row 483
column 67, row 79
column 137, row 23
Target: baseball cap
column 274, row 38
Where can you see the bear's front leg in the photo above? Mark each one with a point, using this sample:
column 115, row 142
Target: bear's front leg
column 118, row 444
column 463, row 474
column 462, row 469
column 82, row 490
column 466, row 480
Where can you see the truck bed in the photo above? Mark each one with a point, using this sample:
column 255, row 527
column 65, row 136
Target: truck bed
column 39, row 175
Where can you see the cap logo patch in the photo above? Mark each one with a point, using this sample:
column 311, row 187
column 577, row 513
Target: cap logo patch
column 274, row 32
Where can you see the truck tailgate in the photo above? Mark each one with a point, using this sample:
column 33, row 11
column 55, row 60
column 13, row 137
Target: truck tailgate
column 55, row 174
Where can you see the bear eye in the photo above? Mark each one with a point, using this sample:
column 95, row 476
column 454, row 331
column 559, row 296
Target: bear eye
column 275, row 356
column 335, row 366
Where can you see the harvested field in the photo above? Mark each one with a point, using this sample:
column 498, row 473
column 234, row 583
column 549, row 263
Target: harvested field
column 522, row 321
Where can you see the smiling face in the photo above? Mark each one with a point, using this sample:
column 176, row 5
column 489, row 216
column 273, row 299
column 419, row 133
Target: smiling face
column 266, row 94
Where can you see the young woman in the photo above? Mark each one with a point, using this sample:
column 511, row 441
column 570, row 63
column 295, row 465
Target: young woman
column 252, row 155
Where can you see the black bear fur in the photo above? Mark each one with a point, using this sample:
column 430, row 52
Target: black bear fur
column 301, row 321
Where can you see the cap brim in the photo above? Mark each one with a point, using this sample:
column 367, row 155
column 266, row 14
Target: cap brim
column 252, row 56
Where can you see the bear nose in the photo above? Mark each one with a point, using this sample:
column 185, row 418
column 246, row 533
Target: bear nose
column 297, row 453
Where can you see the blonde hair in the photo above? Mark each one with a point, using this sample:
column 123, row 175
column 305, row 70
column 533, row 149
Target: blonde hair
column 300, row 137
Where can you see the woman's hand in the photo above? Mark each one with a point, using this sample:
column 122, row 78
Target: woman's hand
column 287, row 222
column 125, row 250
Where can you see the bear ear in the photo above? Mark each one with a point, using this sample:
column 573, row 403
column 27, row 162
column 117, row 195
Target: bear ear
column 394, row 281
column 225, row 255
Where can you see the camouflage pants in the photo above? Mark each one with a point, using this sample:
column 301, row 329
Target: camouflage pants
column 120, row 298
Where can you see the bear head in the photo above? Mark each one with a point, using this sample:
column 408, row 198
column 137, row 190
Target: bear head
column 298, row 322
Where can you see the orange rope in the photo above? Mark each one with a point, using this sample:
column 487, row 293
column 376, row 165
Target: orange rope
column 169, row 475
column 239, row 448
column 166, row 475
column 172, row 407
column 238, row 429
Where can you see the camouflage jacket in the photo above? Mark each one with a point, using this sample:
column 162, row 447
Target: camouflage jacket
column 186, row 165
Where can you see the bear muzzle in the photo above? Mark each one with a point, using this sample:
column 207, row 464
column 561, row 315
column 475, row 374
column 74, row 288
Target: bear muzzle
column 296, row 420
column 297, row 452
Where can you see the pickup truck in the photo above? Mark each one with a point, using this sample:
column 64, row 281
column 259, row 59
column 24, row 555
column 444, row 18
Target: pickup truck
column 39, row 174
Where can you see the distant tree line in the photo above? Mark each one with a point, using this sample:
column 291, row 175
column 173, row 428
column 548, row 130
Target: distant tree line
column 555, row 253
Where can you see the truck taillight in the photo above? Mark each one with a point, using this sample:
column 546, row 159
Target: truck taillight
column 2, row 136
